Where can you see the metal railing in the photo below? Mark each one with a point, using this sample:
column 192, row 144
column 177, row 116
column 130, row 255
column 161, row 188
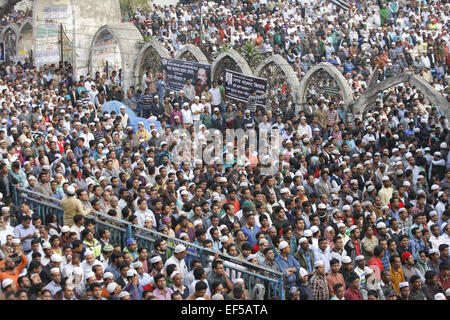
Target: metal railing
column 122, row 230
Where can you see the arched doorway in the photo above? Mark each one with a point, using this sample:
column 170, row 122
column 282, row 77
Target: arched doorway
column 25, row 41
column 368, row 99
column 114, row 49
column 149, row 57
column 229, row 60
column 192, row 53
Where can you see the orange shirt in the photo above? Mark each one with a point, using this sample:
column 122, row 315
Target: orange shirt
column 13, row 274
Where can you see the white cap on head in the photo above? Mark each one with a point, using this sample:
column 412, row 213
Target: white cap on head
column 433, row 251
column 308, row 233
column 55, row 258
column 180, row 248
column 155, row 259
column 55, row 270
column 368, row 271
column 71, row 190
column 439, row 296
column 6, row 282
column 302, row 239
column 318, row 263
column 360, row 257
column 282, row 245
column 111, row 287
column 173, row 274
column 381, row 225
column 403, row 284
column 434, row 187
column 123, row 294
column 314, row 229
column 303, row 272
column 108, row 275
column 16, row 241
column 238, row 280
column 46, row 245
column 346, row 259
column 197, row 222
column 65, row 229
column 131, row 273
column 88, row 253
column 433, row 213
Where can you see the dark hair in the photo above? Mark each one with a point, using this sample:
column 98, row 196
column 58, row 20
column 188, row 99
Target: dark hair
column 215, row 263
column 352, row 277
column 215, row 284
column 198, row 272
column 123, row 265
column 414, row 278
column 430, row 274
column 337, row 286
column 372, row 293
column 334, row 261
column 237, row 292
column 158, row 276
column 392, row 258
column 199, row 286
column 378, row 250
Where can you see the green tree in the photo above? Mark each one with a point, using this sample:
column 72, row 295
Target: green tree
column 251, row 54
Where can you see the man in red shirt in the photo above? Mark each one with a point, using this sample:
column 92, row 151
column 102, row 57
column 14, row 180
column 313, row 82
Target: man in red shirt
column 375, row 261
column 353, row 292
column 334, row 276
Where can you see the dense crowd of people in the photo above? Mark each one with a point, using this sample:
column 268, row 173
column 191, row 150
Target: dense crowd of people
column 355, row 209
column 15, row 16
column 398, row 36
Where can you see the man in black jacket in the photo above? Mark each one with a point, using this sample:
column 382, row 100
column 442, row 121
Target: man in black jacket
column 55, row 262
column 353, row 246
column 238, row 122
column 219, row 123
column 7, row 181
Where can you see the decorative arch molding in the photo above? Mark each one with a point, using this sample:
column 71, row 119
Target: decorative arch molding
column 14, row 28
column 235, row 57
column 140, row 63
column 126, row 35
column 286, row 68
column 370, row 95
column 10, row 27
column 335, row 73
column 26, row 25
column 194, row 51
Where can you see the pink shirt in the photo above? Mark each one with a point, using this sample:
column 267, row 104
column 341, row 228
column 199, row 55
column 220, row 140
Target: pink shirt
column 160, row 296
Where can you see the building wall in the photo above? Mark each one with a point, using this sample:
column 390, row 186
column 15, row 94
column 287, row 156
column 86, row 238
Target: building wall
column 80, row 19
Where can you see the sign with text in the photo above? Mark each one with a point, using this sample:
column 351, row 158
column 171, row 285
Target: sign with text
column 239, row 86
column 175, row 73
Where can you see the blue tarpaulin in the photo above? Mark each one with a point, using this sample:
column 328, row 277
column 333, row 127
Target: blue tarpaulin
column 115, row 105
column 135, row 120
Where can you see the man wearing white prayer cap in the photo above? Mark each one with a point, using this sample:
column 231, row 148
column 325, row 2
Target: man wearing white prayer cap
column 319, row 283
column 178, row 259
column 287, row 264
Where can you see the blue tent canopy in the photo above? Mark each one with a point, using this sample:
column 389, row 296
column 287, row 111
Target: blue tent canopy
column 115, row 105
column 135, row 120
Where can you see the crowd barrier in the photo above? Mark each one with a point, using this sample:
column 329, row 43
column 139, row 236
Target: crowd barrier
column 122, row 230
